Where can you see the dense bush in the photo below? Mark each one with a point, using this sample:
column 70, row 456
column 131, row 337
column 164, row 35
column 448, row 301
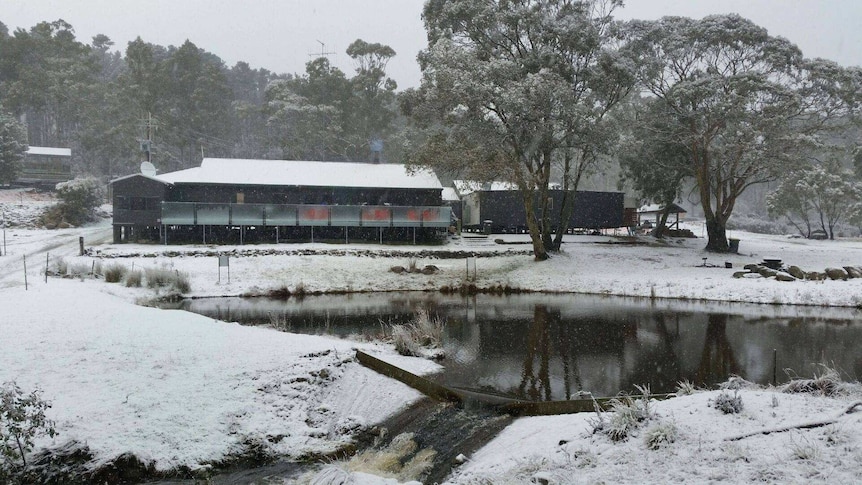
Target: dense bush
column 78, row 200
column 22, row 418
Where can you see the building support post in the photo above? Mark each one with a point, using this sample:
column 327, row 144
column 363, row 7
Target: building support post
column 276, row 234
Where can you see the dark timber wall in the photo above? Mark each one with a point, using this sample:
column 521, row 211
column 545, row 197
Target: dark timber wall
column 505, row 208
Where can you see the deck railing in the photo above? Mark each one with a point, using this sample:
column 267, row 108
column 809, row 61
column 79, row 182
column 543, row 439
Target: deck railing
column 200, row 213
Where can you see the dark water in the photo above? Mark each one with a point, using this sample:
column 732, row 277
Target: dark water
column 549, row 347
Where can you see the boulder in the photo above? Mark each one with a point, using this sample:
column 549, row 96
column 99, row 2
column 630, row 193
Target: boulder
column 751, row 267
column 784, row 277
column 836, row 273
column 741, row 274
column 430, row 269
column 853, row 271
column 767, row 272
column 397, row 269
column 797, row 272
column 815, row 276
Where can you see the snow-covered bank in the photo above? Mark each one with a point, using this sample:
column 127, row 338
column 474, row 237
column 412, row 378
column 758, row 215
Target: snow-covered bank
column 564, row 449
column 675, row 268
column 180, row 390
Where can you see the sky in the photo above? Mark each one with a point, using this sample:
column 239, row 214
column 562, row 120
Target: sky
column 281, row 35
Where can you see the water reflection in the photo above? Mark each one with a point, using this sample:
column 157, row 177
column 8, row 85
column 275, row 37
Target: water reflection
column 544, row 347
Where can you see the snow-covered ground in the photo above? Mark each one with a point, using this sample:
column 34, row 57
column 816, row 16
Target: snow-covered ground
column 180, row 389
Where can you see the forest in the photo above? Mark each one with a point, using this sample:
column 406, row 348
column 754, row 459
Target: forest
column 105, row 102
column 539, row 93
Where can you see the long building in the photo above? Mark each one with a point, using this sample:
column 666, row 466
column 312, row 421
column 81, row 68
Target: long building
column 234, row 201
column 498, row 207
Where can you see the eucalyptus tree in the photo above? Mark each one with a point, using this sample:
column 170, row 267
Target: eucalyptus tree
column 13, row 145
column 824, row 193
column 744, row 104
column 512, row 89
column 372, row 111
column 651, row 157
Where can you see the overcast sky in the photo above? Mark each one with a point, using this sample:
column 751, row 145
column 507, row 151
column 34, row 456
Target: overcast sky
column 279, row 35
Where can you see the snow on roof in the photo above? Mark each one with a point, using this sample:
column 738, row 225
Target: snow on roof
column 57, row 152
column 449, row 194
column 656, row 208
column 465, row 187
column 302, row 173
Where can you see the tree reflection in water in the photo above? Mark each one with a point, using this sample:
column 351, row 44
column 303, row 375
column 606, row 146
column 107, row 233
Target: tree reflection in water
column 544, row 347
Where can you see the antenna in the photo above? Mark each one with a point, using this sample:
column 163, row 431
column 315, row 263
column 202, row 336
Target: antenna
column 322, row 52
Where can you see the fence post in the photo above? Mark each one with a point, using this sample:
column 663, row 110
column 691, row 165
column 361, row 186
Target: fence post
column 81, row 246
column 47, row 255
column 25, row 273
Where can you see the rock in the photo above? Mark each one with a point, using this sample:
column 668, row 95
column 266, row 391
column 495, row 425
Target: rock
column 430, row 269
column 397, row 269
column 853, row 271
column 836, row 274
column 64, row 225
column 784, row 277
column 741, row 274
column 815, row 276
column 767, row 272
column 751, row 267
column 797, row 272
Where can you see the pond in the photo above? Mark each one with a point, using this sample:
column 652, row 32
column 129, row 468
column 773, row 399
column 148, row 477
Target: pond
column 551, row 347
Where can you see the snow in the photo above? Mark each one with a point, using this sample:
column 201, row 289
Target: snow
column 182, row 389
column 51, row 151
column 302, row 173
column 564, row 446
column 588, row 264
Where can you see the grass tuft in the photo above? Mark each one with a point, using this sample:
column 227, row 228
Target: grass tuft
column 134, row 278
column 727, row 403
column 114, row 273
column 661, row 434
column 423, row 331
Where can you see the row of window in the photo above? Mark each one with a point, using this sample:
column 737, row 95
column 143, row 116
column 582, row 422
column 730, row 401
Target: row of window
column 136, row 203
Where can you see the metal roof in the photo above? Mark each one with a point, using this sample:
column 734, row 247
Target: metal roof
column 230, row 171
column 52, row 151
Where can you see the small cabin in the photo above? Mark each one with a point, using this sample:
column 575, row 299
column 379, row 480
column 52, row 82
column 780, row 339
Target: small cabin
column 45, row 167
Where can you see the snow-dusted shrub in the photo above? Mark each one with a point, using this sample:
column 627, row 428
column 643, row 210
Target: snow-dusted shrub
column 627, row 414
column 167, row 278
column 828, row 383
column 727, row 403
column 660, row 434
column 78, row 269
column 134, row 278
column 115, row 272
column 22, row 418
column 61, row 266
column 423, row 331
column 79, row 199
column 685, row 388
column 805, row 450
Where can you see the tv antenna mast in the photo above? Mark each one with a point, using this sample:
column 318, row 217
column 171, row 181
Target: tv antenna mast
column 322, row 52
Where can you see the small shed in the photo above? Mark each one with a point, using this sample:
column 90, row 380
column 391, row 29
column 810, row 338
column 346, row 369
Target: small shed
column 652, row 213
column 45, row 166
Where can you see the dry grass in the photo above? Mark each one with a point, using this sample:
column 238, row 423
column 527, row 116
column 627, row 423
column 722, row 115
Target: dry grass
column 424, row 331
column 828, row 383
column 114, row 273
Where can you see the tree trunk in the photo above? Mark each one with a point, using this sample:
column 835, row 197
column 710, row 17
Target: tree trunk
column 539, row 251
column 661, row 226
column 717, row 233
